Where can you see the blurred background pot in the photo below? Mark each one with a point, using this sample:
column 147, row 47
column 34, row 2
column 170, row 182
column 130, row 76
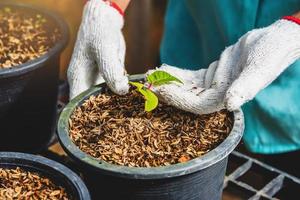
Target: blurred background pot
column 28, row 94
column 198, row 179
column 56, row 172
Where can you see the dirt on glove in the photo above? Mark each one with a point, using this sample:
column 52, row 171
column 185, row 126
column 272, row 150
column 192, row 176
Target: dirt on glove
column 117, row 130
column 24, row 36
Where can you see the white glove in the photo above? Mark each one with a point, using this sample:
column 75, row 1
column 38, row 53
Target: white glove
column 243, row 69
column 99, row 50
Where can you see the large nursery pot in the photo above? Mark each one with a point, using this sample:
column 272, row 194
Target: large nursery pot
column 55, row 172
column 198, row 179
column 28, row 93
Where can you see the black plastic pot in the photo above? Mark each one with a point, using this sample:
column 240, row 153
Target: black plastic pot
column 58, row 173
column 199, row 179
column 28, row 95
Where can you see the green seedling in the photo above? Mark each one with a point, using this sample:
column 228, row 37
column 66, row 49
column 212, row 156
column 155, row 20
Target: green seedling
column 156, row 78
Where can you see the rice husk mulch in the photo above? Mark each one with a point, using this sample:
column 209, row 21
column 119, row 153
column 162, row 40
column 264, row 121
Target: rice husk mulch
column 23, row 185
column 24, row 36
column 117, row 130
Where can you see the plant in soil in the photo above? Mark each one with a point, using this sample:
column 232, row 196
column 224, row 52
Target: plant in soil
column 117, row 129
column 21, row 184
column 156, row 78
column 24, row 36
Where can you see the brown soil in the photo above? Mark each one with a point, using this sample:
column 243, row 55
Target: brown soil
column 24, row 36
column 22, row 185
column 116, row 129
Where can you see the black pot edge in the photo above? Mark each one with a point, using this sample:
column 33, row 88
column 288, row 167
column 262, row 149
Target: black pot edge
column 197, row 164
column 59, row 168
column 38, row 62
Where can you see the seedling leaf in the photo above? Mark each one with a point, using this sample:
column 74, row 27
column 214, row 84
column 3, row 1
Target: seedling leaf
column 158, row 78
column 151, row 99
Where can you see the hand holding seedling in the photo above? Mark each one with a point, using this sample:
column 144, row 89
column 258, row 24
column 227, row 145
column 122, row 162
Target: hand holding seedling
column 194, row 95
column 243, row 70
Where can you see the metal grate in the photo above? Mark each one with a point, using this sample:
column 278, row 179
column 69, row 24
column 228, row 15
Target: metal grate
column 248, row 178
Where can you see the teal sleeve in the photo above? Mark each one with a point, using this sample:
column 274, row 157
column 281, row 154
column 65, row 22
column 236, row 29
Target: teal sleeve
column 176, row 48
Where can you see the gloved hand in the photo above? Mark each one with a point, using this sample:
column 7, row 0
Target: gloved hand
column 99, row 50
column 243, row 69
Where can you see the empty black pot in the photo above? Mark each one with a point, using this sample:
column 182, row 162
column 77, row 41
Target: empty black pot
column 199, row 179
column 28, row 94
column 56, row 172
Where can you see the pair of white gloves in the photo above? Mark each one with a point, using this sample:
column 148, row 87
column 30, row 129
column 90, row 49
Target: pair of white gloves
column 243, row 69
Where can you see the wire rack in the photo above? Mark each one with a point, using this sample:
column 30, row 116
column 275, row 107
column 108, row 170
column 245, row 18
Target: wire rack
column 248, row 178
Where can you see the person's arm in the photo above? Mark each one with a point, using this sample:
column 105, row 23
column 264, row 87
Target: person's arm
column 123, row 4
column 297, row 15
column 120, row 5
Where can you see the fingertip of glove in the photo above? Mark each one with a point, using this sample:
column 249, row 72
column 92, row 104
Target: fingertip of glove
column 233, row 101
column 120, row 87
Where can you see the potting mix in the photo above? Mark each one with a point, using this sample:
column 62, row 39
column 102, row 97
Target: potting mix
column 117, row 130
column 21, row 184
column 24, row 36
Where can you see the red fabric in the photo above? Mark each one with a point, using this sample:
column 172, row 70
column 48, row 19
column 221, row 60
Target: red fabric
column 114, row 5
column 292, row 19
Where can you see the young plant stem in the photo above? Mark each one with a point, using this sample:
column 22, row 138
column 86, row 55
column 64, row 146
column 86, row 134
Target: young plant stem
column 157, row 78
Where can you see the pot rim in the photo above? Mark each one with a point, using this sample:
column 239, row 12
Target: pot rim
column 14, row 158
column 197, row 164
column 55, row 50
